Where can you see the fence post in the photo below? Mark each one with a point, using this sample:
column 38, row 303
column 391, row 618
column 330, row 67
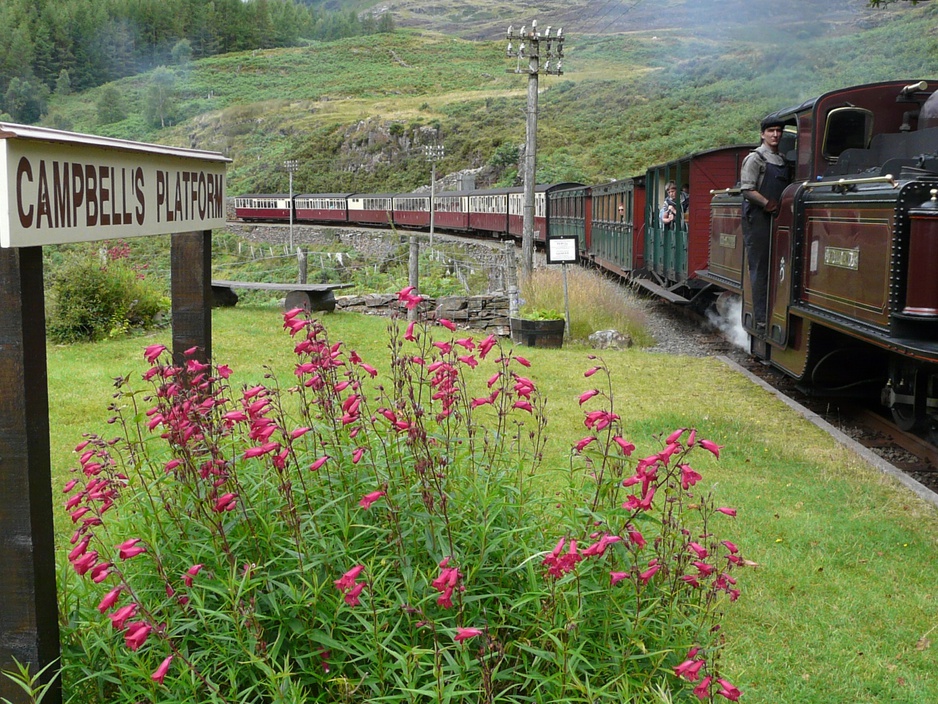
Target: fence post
column 511, row 279
column 29, row 625
column 302, row 264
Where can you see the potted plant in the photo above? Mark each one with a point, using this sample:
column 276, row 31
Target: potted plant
column 539, row 327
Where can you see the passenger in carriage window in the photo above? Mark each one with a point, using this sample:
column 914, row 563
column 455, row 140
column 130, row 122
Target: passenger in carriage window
column 668, row 212
column 763, row 177
column 685, row 197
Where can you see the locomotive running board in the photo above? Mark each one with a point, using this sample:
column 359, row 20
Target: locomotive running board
column 661, row 291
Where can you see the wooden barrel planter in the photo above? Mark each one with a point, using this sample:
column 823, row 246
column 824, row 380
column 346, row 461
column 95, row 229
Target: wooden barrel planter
column 537, row 333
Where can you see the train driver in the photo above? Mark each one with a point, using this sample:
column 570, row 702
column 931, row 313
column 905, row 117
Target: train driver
column 764, row 175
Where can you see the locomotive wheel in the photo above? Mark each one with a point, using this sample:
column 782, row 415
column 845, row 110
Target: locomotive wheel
column 907, row 383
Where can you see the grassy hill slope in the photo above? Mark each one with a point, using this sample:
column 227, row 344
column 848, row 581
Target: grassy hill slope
column 355, row 113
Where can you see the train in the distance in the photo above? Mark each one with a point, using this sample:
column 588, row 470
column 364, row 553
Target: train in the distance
column 853, row 279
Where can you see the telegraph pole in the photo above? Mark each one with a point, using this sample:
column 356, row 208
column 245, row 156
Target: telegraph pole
column 434, row 154
column 291, row 166
column 529, row 47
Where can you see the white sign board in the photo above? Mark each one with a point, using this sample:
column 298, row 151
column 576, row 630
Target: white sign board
column 57, row 188
column 561, row 250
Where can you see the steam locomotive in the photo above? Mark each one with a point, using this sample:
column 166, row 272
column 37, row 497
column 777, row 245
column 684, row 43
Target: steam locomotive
column 853, row 291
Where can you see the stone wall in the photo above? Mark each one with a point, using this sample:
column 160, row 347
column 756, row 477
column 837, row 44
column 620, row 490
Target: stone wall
column 488, row 313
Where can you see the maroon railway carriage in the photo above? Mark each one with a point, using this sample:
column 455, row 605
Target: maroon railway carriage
column 451, row 210
column 260, row 207
column 321, row 207
column 488, row 210
column 852, row 284
column 371, row 208
column 412, row 209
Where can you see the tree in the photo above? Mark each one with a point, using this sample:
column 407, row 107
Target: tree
column 26, row 100
column 883, row 3
column 63, row 85
column 386, row 23
column 182, row 52
column 110, row 106
column 160, row 97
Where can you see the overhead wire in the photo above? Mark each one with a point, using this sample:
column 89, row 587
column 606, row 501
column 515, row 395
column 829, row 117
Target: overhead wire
column 603, row 12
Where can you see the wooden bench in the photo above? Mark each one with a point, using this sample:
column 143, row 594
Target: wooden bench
column 307, row 296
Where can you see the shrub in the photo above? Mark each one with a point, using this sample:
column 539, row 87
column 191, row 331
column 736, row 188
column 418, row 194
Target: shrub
column 354, row 540
column 91, row 300
column 596, row 303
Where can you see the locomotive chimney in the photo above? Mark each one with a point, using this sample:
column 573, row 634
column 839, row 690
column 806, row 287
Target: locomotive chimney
column 928, row 115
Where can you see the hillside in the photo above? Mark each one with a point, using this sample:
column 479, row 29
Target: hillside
column 356, row 112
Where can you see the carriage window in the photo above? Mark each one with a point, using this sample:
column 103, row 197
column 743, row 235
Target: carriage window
column 847, row 128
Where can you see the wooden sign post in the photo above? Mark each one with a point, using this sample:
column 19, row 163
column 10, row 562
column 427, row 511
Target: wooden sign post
column 58, row 187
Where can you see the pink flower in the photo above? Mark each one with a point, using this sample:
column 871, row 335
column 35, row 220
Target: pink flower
column 675, row 436
column 318, row 463
column 347, row 581
column 351, row 596
column 370, row 370
column 702, row 690
column 712, row 447
column 689, row 670
column 587, row 395
column 627, row 447
column 599, row 548
column 616, row 577
column 730, row 546
column 728, row 511
column 136, row 634
column 109, row 599
column 581, row 445
column 153, row 352
column 522, row 361
column 368, row 499
column 190, row 573
column 120, row 617
column 448, row 324
column 689, row 477
column 160, row 672
column 468, row 360
column 129, row 549
column 589, row 372
column 409, row 334
column 699, row 549
column 728, row 690
column 486, row 345
column 649, row 573
column 464, row 634
column 357, row 455
column 225, row 502
column 523, row 405
column 101, row 571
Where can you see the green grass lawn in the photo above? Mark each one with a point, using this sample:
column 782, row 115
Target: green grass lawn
column 842, row 605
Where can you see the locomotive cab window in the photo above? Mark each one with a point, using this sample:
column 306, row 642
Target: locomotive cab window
column 846, row 128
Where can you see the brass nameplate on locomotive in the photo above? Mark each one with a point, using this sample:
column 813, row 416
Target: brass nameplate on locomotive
column 842, row 258
column 728, row 241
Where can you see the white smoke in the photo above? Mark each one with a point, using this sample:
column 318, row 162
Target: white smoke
column 726, row 316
